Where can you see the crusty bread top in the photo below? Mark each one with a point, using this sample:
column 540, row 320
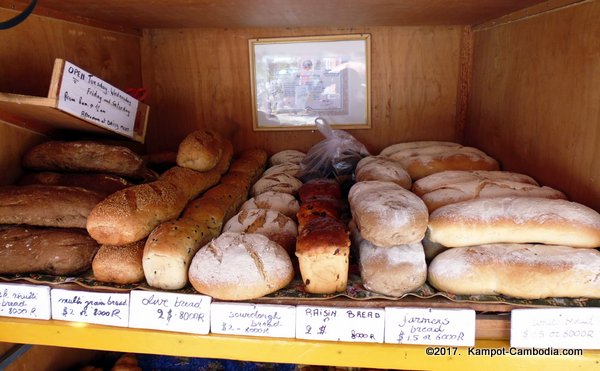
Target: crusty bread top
column 445, row 178
column 200, row 150
column 384, row 169
column 288, row 155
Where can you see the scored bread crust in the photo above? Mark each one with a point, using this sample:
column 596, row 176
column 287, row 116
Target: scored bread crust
column 449, row 177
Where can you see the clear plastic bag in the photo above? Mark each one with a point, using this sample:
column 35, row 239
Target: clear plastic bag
column 334, row 157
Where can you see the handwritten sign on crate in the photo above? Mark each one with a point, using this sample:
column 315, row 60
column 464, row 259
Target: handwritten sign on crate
column 94, row 100
column 430, row 326
column 340, row 324
column 566, row 328
column 170, row 311
column 253, row 319
column 25, row 301
column 90, row 307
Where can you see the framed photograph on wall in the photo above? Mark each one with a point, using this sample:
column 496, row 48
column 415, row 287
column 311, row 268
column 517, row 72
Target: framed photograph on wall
column 295, row 80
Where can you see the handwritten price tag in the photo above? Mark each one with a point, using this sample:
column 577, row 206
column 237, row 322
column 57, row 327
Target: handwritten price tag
column 340, row 324
column 566, row 328
column 86, row 96
column 170, row 311
column 430, row 326
column 253, row 319
column 24, row 301
column 90, row 307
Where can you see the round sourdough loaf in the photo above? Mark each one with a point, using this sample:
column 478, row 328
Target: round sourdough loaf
column 201, row 150
column 383, row 169
column 518, row 270
column 442, row 179
column 515, row 220
column 240, row 266
column 287, row 156
column 286, row 167
column 285, row 203
column 277, row 183
column 387, row 214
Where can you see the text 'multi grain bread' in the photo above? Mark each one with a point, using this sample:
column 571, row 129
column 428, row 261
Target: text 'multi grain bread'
column 46, row 205
column 387, row 214
column 518, row 270
column 54, row 251
column 200, row 150
column 103, row 184
column 119, row 264
column 239, row 266
column 383, row 169
column 285, row 203
column 515, row 220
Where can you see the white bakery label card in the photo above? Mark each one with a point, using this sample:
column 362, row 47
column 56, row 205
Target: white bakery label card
column 94, row 100
column 25, row 301
column 430, row 326
column 253, row 319
column 566, row 328
column 170, row 311
column 340, row 324
column 91, row 307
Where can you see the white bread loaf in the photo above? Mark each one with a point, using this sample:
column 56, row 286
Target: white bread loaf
column 394, row 270
column 444, row 178
column 383, row 169
column 277, row 183
column 285, row 203
column 515, row 220
column 458, row 192
column 287, row 156
column 518, row 270
column 387, row 214
column 239, row 266
column 270, row 223
column 119, row 264
column 289, row 168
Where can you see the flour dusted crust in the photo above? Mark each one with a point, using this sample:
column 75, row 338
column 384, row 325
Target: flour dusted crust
column 383, row 169
column 287, row 156
column 485, row 189
column 239, row 266
column 277, row 183
column 285, row 203
column 410, row 147
column 387, row 214
column 289, row 168
column 519, row 270
column 515, row 220
column 200, row 150
column 442, row 179
column 394, row 270
column 270, row 223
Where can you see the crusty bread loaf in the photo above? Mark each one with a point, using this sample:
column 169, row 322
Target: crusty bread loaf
column 119, row 264
column 387, row 214
column 226, row 157
column 383, row 169
column 252, row 162
column 85, row 156
column 190, row 182
column 410, row 147
column 323, row 249
column 394, row 270
column 230, row 196
column 103, row 184
column 287, row 156
column 46, row 205
column 239, row 266
column 515, row 220
column 208, row 211
column 200, row 150
column 518, row 270
column 129, row 215
column 169, row 251
column 289, row 168
column 55, row 251
column 270, row 223
column 444, row 178
column 485, row 189
column 277, row 183
column 285, row 203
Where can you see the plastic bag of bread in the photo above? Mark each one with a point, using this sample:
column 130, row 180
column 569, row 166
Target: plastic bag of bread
column 334, row 157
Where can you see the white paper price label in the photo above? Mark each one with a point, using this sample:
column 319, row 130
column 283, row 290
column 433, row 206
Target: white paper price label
column 86, row 96
column 169, row 311
column 566, row 328
column 253, row 319
column 430, row 326
column 24, row 301
column 340, row 324
column 90, row 307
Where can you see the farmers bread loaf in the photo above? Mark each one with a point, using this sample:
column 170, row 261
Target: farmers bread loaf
column 442, row 179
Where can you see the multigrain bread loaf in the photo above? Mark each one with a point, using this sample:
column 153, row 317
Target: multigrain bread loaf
column 47, row 205
column 515, row 220
column 131, row 214
column 518, row 270
column 387, row 214
column 252, row 162
column 485, row 189
column 394, row 270
column 190, row 182
column 277, row 183
column 208, row 211
column 287, row 156
column 103, row 184
column 200, row 150
column 85, row 156
column 442, row 179
column 383, row 169
column 285, row 203
column 119, row 264
column 54, row 251
column 239, row 266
